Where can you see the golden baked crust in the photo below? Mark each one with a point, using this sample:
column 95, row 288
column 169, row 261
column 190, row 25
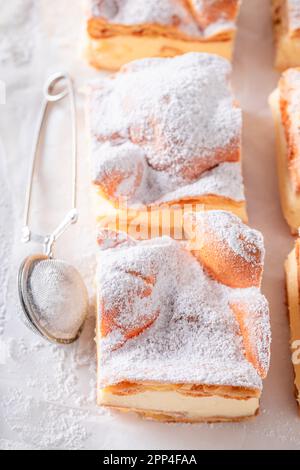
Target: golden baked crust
column 217, row 253
column 180, row 418
column 199, row 390
column 98, row 28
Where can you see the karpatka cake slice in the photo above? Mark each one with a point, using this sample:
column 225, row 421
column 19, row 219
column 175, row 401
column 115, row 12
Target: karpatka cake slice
column 183, row 331
column 165, row 133
column 119, row 31
column 285, row 105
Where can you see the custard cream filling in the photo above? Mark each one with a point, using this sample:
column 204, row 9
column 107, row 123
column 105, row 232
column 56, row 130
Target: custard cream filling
column 112, row 52
column 169, row 402
column 160, row 220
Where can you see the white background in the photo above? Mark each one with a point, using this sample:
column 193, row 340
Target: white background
column 47, row 393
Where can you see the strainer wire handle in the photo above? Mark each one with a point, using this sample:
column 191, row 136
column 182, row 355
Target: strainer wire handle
column 71, row 217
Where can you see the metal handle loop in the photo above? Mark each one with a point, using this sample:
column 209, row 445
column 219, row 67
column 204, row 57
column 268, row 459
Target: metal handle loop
column 50, row 87
column 50, row 96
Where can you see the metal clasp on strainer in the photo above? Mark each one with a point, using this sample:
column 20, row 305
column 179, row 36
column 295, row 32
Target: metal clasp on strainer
column 53, row 295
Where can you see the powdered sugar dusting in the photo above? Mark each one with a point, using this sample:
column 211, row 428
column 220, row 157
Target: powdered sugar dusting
column 18, row 23
column 229, row 230
column 156, row 187
column 59, row 298
column 289, row 86
column 49, row 408
column 294, row 14
column 172, row 13
column 224, row 180
column 215, row 16
column 51, row 427
column 193, row 336
column 179, row 123
column 257, row 322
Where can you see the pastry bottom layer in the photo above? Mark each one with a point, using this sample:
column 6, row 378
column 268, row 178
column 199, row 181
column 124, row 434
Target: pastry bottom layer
column 112, row 52
column 166, row 219
column 292, row 286
column 290, row 201
column 287, row 52
column 170, row 406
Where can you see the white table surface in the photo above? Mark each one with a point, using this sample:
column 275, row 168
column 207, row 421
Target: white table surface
column 47, row 393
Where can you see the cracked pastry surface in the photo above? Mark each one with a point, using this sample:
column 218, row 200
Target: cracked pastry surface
column 285, row 105
column 200, row 347
column 175, row 139
column 286, row 25
column 119, row 31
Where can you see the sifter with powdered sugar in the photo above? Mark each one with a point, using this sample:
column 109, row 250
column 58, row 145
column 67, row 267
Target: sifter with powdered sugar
column 52, row 293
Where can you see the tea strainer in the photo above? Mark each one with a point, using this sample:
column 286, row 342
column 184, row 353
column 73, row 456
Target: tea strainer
column 52, row 293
